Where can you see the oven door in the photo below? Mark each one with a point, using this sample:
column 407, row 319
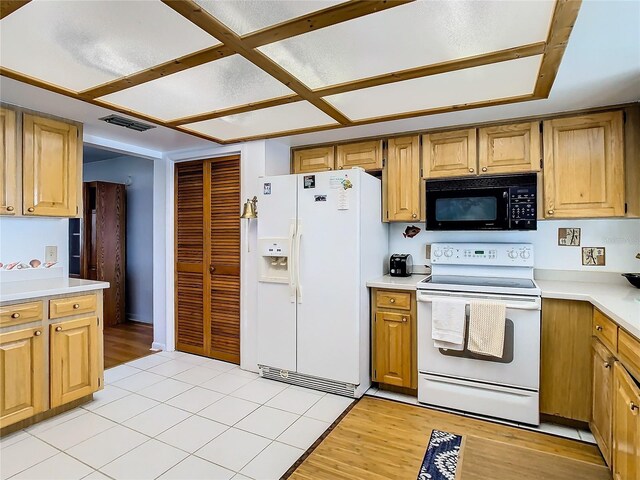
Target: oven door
column 520, row 365
column 468, row 209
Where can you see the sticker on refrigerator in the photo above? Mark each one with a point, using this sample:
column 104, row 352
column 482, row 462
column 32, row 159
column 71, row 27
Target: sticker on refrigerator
column 266, row 189
column 343, row 200
column 335, row 182
column 309, row 181
column 320, row 198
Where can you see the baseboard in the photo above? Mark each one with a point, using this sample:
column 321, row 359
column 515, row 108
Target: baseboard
column 158, row 346
column 136, row 318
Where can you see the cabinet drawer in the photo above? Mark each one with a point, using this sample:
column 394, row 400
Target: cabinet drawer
column 64, row 307
column 605, row 330
column 386, row 299
column 629, row 353
column 20, row 313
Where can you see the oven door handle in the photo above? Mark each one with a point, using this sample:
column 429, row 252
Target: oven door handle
column 526, row 305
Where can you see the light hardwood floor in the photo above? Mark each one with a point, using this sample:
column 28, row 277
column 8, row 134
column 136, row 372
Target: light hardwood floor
column 125, row 342
column 381, row 439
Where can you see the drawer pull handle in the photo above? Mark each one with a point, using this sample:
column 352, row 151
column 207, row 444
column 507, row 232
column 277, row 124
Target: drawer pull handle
column 606, row 365
column 15, row 315
column 37, row 333
column 598, row 328
column 392, row 300
column 415, row 215
column 633, row 407
column 76, row 306
column 58, row 329
column 404, row 319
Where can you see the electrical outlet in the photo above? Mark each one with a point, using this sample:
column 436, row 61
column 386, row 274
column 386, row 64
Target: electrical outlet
column 50, row 253
column 427, row 251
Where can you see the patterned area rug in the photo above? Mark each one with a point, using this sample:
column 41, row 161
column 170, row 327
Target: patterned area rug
column 441, row 460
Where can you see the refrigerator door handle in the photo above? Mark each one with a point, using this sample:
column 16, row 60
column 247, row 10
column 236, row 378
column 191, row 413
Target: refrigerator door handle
column 291, row 266
column 297, row 262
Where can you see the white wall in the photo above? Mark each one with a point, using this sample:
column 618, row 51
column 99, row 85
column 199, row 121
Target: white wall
column 139, row 233
column 23, row 239
column 620, row 237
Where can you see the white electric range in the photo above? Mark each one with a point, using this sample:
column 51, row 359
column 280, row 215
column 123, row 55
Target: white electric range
column 506, row 387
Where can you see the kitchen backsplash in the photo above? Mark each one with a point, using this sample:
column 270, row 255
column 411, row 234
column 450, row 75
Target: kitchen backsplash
column 619, row 237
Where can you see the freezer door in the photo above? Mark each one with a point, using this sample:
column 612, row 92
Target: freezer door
column 328, row 277
column 276, row 301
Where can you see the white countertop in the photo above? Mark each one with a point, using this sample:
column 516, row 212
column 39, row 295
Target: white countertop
column 23, row 290
column 397, row 283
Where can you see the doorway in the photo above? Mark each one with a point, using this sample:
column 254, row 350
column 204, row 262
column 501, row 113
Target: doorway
column 207, row 253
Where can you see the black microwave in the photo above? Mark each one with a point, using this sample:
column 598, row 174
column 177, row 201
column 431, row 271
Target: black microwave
column 499, row 202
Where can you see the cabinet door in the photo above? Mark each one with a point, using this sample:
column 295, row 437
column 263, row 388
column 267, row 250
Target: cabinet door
column 583, row 166
column 449, row 154
column 318, row 159
column 367, row 155
column 22, row 367
column 393, row 364
column 8, row 163
column 401, row 188
column 509, row 148
column 74, row 360
column 49, row 167
column 626, row 426
column 602, row 407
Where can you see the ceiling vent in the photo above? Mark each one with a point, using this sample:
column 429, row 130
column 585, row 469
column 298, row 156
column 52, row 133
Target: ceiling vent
column 127, row 123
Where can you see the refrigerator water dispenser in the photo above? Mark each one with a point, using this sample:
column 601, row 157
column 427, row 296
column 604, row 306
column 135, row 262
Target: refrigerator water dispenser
column 274, row 260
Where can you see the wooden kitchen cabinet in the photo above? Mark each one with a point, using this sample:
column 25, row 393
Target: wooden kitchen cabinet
column 394, row 346
column 22, row 367
column 50, row 167
column 511, row 148
column 584, row 166
column 402, row 188
column 310, row 160
column 367, row 155
column 449, row 154
column 626, row 425
column 602, row 406
column 9, row 163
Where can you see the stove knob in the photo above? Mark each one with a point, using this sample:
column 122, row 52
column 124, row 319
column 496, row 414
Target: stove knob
column 437, row 253
column 448, row 253
column 525, row 254
column 512, row 254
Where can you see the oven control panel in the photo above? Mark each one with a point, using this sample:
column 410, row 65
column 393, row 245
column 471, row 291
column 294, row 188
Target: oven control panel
column 497, row 254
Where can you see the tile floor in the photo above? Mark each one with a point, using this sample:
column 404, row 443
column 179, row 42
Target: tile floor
column 175, row 416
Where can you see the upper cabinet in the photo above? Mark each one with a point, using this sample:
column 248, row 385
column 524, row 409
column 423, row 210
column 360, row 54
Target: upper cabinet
column 584, row 166
column 8, row 163
column 402, row 186
column 367, row 155
column 509, row 148
column 449, row 154
column 310, row 160
column 50, row 167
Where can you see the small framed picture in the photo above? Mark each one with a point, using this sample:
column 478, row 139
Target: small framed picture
column 569, row 237
column 593, row 256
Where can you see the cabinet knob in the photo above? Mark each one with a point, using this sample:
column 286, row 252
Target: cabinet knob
column 633, row 407
column 550, row 212
column 340, row 167
column 58, row 329
column 392, row 300
column 471, row 170
column 31, row 209
column 76, row 306
column 37, row 333
column 484, row 169
column 404, row 319
column 415, row 215
column 15, row 315
column 606, row 365
column 598, row 328
column 10, row 208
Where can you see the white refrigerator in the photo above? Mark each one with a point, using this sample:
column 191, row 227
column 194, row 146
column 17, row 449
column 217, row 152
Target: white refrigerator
column 320, row 238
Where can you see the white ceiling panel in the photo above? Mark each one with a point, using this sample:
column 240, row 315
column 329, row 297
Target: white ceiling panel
column 246, row 16
column 292, row 116
column 228, row 82
column 498, row 80
column 81, row 44
column 412, row 35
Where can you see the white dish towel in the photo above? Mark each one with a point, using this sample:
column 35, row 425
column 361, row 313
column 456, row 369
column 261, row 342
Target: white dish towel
column 486, row 328
column 448, row 324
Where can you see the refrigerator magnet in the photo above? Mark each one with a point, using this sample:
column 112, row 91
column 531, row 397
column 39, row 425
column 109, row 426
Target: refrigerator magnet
column 309, row 181
column 320, row 198
column 343, row 200
column 266, row 188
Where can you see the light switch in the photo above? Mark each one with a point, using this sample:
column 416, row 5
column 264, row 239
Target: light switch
column 50, row 253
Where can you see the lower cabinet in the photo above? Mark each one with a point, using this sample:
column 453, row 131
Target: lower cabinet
column 22, row 367
column 626, row 426
column 602, row 407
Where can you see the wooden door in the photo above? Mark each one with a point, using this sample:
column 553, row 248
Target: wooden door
column 584, row 166
column 208, row 258
column 22, row 367
column 367, row 155
column 509, row 148
column 9, row 204
column 393, row 348
column 74, row 370
column 49, row 167
column 565, row 360
column 626, row 426
column 317, row 159
column 402, row 192
column 602, row 406
column 449, row 154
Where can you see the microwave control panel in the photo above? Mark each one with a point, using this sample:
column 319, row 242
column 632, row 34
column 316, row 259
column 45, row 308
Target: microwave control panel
column 522, row 207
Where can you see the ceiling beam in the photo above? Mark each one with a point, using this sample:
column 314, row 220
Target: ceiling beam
column 562, row 21
column 7, row 7
column 281, row 31
column 194, row 13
